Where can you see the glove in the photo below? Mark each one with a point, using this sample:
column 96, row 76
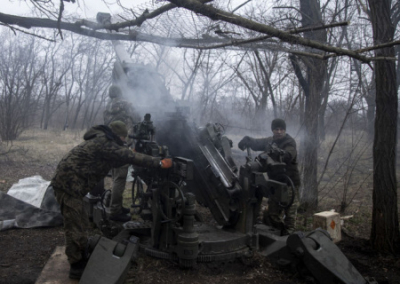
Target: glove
column 244, row 143
column 166, row 163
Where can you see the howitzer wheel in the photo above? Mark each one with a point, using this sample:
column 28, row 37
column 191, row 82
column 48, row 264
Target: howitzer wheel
column 119, row 250
column 286, row 179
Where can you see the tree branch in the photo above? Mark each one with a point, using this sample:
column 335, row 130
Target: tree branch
column 294, row 31
column 383, row 45
column 217, row 14
column 90, row 29
column 299, row 75
column 78, row 29
column 146, row 15
column 25, row 32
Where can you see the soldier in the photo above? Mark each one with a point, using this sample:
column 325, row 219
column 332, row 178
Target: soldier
column 118, row 109
column 286, row 143
column 79, row 171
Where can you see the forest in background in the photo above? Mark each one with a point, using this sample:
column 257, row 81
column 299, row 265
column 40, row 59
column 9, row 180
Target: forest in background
column 64, row 84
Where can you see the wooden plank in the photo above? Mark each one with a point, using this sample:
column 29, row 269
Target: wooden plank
column 56, row 270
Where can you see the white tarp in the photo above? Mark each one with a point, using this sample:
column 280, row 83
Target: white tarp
column 30, row 203
column 30, row 190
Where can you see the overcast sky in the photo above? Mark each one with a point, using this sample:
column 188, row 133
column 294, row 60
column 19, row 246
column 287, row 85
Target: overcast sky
column 84, row 8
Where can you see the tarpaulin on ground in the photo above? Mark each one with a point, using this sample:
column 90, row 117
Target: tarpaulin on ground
column 29, row 203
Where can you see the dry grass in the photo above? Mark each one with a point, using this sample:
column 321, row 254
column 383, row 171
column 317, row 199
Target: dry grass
column 42, row 146
column 35, row 152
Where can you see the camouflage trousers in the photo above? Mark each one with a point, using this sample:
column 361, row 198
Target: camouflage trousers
column 118, row 187
column 282, row 218
column 76, row 224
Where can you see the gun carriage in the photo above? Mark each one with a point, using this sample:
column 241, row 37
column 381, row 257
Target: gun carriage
column 205, row 174
column 171, row 228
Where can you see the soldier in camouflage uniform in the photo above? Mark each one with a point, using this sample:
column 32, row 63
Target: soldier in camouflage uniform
column 273, row 216
column 80, row 170
column 121, row 110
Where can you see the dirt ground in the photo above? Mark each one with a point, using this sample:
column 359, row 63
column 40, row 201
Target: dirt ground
column 24, row 252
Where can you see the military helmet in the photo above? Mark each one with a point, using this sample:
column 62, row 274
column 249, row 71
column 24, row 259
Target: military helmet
column 119, row 128
column 114, row 91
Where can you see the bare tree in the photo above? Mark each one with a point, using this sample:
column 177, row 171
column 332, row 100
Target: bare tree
column 213, row 75
column 91, row 29
column 312, row 84
column 385, row 234
column 20, row 70
column 90, row 75
column 192, row 61
column 264, row 81
column 52, row 78
column 99, row 66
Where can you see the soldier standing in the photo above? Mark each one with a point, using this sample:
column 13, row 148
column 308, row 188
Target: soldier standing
column 79, row 171
column 273, row 216
column 118, row 110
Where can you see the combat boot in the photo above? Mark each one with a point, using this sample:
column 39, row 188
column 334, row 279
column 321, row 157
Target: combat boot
column 77, row 268
column 121, row 217
column 125, row 210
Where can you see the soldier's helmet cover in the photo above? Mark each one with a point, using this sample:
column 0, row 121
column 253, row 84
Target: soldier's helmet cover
column 114, row 92
column 119, row 128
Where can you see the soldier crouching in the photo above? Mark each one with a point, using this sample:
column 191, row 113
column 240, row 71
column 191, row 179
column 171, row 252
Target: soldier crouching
column 79, row 171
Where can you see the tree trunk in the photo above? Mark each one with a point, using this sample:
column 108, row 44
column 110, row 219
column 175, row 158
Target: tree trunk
column 315, row 76
column 78, row 109
column 323, row 106
column 370, row 99
column 311, row 137
column 46, row 116
column 385, row 235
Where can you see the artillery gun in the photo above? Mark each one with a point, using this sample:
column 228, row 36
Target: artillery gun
column 171, row 229
column 208, row 176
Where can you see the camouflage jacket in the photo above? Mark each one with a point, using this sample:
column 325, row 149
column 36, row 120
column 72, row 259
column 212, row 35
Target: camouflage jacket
column 288, row 144
column 119, row 109
column 86, row 164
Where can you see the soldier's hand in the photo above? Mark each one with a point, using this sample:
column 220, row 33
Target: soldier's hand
column 166, row 163
column 244, row 143
column 276, row 150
